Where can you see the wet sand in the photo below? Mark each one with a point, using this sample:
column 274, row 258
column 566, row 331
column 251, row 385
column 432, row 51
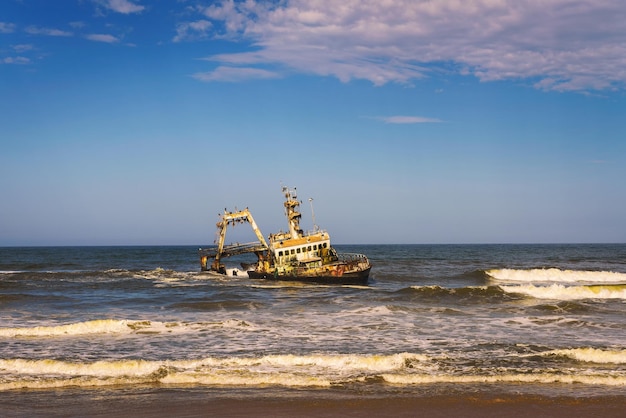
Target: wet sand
column 173, row 403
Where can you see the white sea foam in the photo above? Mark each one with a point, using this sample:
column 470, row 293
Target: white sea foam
column 114, row 326
column 561, row 292
column 415, row 379
column 98, row 369
column 99, row 326
column 245, row 379
column 281, row 370
column 235, row 324
column 367, row 312
column 554, row 275
column 161, row 275
column 592, row 355
column 328, row 363
column 286, row 370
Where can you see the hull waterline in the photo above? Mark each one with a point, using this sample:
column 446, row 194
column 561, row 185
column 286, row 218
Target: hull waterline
column 356, row 278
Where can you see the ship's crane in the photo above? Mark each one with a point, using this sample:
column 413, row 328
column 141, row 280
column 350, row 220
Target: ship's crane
column 232, row 218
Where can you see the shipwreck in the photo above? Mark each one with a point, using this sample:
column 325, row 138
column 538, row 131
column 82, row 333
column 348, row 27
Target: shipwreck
column 294, row 255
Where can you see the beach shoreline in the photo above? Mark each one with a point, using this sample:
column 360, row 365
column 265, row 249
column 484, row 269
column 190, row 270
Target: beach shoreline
column 162, row 402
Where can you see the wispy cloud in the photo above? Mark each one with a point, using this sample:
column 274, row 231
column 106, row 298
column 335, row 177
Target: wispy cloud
column 562, row 45
column 192, row 30
column 36, row 30
column 121, row 6
column 7, row 27
column 408, row 119
column 99, row 37
column 15, row 60
column 233, row 74
column 22, row 47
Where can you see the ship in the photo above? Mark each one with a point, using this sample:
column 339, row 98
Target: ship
column 294, row 255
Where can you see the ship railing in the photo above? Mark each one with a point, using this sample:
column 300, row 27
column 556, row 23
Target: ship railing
column 315, row 231
column 352, row 258
column 353, row 261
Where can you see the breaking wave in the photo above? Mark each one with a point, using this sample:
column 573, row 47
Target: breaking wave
column 592, row 355
column 469, row 292
column 561, row 284
column 99, row 326
column 554, row 275
column 561, row 292
column 549, row 291
column 508, row 378
column 114, row 326
column 324, row 370
column 285, row 370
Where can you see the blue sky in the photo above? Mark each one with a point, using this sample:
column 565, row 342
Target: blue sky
column 137, row 122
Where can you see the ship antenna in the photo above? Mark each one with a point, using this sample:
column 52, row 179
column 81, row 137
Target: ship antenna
column 313, row 214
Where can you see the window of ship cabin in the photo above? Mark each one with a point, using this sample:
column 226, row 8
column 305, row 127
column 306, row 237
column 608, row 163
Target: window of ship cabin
column 280, row 253
column 298, row 250
column 293, row 251
column 308, row 248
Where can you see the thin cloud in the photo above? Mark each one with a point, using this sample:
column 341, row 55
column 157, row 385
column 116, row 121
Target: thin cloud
column 7, row 27
column 16, row 60
column 100, row 37
column 408, row 119
column 22, row 47
column 35, row 30
column 234, row 74
column 121, row 6
column 191, row 31
column 560, row 45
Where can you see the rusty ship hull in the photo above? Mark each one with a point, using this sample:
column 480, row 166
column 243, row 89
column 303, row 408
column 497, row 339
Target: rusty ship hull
column 352, row 278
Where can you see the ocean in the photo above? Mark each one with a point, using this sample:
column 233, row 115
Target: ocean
column 439, row 321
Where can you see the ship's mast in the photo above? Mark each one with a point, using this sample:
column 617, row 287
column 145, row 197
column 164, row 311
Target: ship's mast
column 315, row 228
column 291, row 210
